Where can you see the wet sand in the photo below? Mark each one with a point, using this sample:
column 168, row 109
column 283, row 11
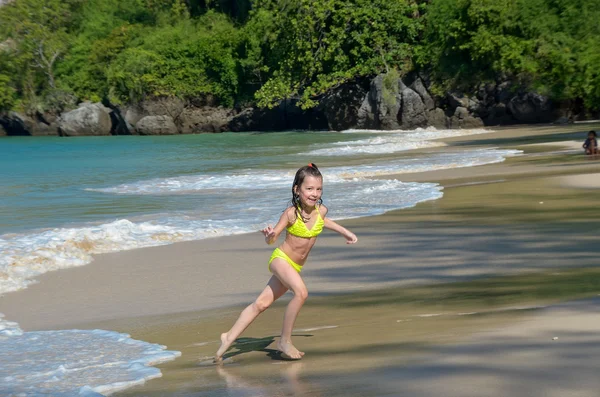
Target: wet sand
column 513, row 218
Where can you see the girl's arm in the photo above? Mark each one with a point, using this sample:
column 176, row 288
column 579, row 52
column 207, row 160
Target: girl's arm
column 331, row 225
column 271, row 234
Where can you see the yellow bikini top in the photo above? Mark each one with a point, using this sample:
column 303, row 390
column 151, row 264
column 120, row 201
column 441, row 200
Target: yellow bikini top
column 299, row 228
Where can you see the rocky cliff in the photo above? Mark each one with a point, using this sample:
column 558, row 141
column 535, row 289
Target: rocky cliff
column 377, row 103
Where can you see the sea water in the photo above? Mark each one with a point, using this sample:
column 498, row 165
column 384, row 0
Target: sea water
column 64, row 200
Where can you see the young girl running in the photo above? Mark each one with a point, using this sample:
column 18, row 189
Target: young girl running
column 304, row 220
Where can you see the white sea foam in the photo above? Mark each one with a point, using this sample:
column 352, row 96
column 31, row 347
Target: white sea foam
column 391, row 141
column 23, row 257
column 74, row 362
column 271, row 179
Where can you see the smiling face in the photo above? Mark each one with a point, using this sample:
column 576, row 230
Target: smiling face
column 310, row 191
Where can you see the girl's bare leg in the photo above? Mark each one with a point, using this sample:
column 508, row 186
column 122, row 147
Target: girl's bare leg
column 292, row 280
column 270, row 294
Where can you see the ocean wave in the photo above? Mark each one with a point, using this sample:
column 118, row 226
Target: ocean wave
column 391, row 141
column 272, row 179
column 75, row 362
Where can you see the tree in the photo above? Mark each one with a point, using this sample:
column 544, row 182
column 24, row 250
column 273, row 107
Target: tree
column 318, row 45
column 39, row 31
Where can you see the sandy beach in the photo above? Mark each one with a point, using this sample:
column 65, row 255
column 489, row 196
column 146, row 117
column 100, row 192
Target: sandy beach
column 460, row 296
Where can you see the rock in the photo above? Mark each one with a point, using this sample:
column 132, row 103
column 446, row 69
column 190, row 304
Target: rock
column 47, row 118
column 120, row 126
column 2, row 131
column 366, row 117
column 156, row 125
column 341, row 106
column 387, row 104
column 463, row 119
column 437, row 118
column 43, row 129
column 503, row 92
column 286, row 116
column 296, row 118
column 380, row 110
column 205, row 119
column 486, row 94
column 87, row 119
column 461, row 113
column 418, row 87
column 132, row 115
column 246, row 120
column 531, row 108
column 498, row 115
column 457, row 100
column 17, row 124
column 412, row 113
column 172, row 107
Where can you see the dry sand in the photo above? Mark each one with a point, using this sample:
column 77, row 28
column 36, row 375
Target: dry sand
column 519, row 216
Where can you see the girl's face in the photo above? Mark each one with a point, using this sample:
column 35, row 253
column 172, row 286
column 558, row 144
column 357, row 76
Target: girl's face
column 310, row 190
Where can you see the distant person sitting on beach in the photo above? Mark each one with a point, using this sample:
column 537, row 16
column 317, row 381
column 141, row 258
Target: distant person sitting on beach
column 304, row 220
column 591, row 144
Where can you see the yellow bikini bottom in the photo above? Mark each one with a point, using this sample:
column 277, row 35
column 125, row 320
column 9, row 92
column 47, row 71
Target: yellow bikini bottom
column 278, row 253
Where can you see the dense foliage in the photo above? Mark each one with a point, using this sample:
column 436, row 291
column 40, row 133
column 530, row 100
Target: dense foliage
column 57, row 52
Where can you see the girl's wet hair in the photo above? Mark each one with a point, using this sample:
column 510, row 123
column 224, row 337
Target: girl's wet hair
column 308, row 170
column 593, row 133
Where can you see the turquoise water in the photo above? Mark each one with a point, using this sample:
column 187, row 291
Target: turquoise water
column 43, row 180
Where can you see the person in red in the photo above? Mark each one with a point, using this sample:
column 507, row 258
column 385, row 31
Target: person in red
column 591, row 143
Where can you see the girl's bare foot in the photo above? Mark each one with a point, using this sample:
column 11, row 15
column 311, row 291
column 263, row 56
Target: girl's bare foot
column 289, row 351
column 225, row 343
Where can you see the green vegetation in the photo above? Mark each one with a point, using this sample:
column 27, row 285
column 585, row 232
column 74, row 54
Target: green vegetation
column 55, row 52
column 390, row 87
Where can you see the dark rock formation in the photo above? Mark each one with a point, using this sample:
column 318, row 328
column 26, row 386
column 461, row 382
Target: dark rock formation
column 340, row 106
column 17, row 124
column 119, row 124
column 376, row 103
column 531, row 108
column 462, row 118
column 437, row 118
column 418, row 87
column 412, row 112
column 205, row 119
column 87, row 119
column 286, row 116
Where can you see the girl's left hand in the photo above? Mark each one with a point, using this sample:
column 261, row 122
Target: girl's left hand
column 269, row 234
column 351, row 238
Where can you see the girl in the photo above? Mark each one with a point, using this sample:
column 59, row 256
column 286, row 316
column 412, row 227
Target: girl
column 304, row 220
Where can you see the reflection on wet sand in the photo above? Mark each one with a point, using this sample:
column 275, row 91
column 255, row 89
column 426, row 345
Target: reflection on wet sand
column 283, row 381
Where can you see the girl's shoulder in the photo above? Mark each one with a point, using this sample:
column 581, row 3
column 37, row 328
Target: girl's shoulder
column 323, row 210
column 290, row 213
